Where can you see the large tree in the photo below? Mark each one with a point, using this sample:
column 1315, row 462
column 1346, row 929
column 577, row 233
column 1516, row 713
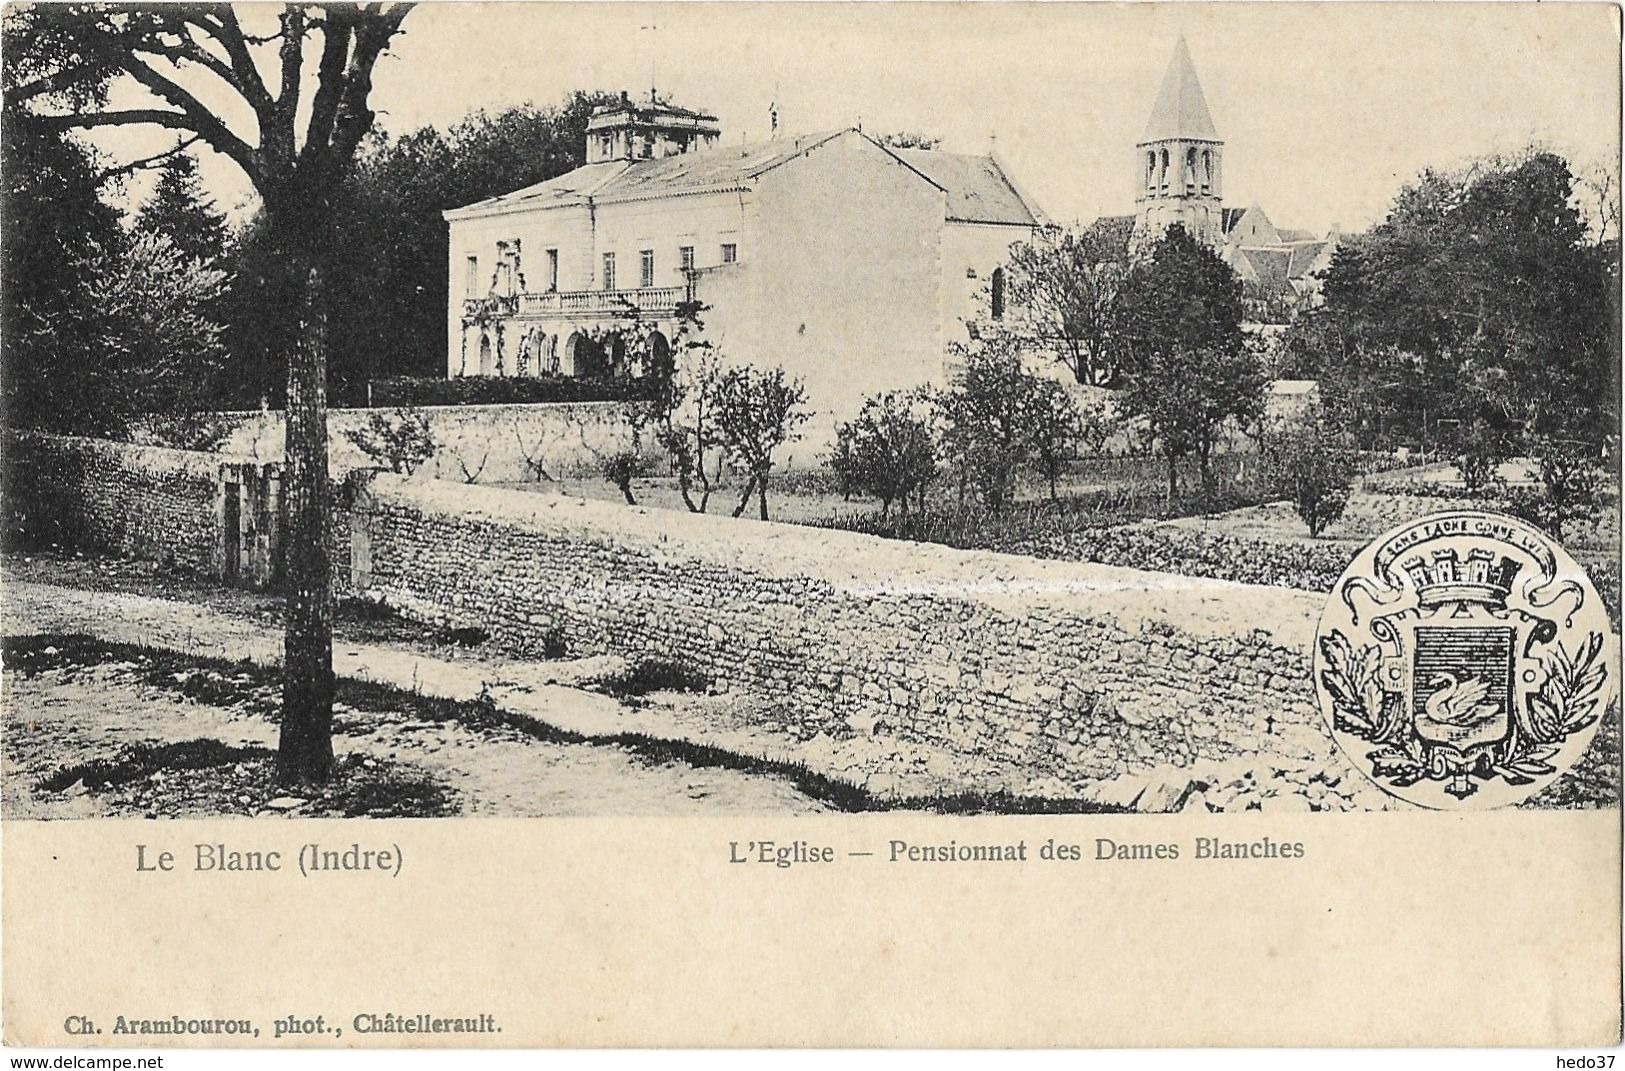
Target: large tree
column 1188, row 368
column 1479, row 300
column 54, row 223
column 1064, row 286
column 288, row 103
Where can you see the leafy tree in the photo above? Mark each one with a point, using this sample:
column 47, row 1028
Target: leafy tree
column 682, row 410
column 1064, row 287
column 1568, row 487
column 1096, row 425
column 1479, row 454
column 54, row 223
column 1312, row 464
column 888, row 449
column 756, row 412
column 150, row 328
column 985, row 419
column 180, row 211
column 1478, row 299
column 1053, row 428
column 389, row 280
column 1189, row 371
column 908, row 139
column 199, row 71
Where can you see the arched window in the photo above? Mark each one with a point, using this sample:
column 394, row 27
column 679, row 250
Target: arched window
column 998, row 293
column 1190, row 169
column 486, row 364
column 1150, row 168
column 1207, row 169
column 1165, row 167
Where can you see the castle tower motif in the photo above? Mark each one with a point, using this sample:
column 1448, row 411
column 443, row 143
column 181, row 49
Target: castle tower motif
column 1179, row 160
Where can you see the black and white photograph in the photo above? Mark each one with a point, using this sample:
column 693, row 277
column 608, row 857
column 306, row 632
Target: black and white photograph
column 760, row 411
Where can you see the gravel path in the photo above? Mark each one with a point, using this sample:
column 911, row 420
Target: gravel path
column 54, row 719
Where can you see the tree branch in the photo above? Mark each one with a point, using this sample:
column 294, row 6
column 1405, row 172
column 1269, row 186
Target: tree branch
column 125, row 117
column 336, row 36
column 197, row 117
column 371, row 38
column 136, row 165
column 225, row 29
column 280, row 139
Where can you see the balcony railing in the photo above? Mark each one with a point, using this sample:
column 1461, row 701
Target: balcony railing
column 645, row 301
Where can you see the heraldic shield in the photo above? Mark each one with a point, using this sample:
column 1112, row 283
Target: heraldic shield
column 1460, row 654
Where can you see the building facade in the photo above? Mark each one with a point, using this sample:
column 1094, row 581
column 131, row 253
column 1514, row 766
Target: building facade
column 846, row 262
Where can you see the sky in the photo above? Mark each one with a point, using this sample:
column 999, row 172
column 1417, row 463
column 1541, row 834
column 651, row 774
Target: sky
column 1325, row 109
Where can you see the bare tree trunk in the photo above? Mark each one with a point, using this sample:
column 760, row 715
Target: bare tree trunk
column 744, row 499
column 761, row 493
column 306, row 750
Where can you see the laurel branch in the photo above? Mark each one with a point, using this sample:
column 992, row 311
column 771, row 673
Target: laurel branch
column 1567, row 703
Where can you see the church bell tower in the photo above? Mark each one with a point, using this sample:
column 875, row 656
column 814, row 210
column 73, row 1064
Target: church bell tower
column 1179, row 161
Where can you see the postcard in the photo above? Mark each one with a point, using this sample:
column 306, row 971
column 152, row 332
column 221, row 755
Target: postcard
column 829, row 525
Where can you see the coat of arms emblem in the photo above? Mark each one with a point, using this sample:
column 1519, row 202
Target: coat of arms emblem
column 1464, row 660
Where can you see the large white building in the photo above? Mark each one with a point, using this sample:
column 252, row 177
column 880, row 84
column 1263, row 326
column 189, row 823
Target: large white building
column 849, row 263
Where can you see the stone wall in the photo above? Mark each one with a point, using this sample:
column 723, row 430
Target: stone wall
column 140, row 501
column 1089, row 671
column 476, row 443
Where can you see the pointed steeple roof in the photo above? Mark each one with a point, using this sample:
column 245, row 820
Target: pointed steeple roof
column 1181, row 110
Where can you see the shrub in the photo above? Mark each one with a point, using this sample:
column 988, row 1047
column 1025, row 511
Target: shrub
column 1312, row 469
column 887, row 450
column 1479, row 456
column 654, row 675
column 554, row 645
column 1567, row 492
column 986, row 419
column 622, row 467
column 506, row 390
column 755, row 413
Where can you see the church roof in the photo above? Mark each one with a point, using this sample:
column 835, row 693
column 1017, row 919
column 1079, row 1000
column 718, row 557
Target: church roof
column 1181, row 109
column 1269, row 267
column 1304, row 255
column 978, row 189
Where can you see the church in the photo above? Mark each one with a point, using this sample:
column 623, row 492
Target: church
column 850, row 263
column 1180, row 166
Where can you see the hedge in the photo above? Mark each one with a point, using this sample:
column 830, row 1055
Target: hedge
column 500, row 390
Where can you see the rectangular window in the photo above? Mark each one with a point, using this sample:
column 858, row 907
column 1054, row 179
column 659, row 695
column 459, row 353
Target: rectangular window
column 552, row 270
column 471, row 277
column 609, row 271
column 646, row 268
column 685, row 256
column 730, row 252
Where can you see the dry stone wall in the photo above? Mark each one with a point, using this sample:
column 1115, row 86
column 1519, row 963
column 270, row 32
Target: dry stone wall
column 475, row 443
column 140, row 501
column 1089, row 671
